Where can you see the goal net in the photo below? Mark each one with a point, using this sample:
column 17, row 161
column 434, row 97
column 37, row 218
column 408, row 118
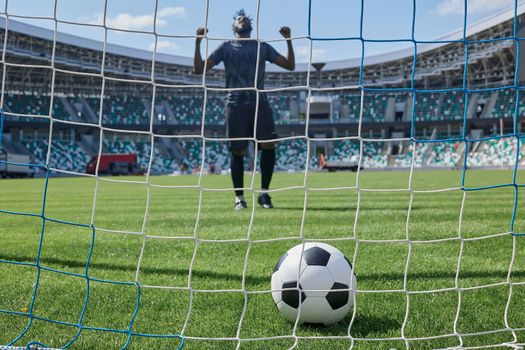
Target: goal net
column 89, row 260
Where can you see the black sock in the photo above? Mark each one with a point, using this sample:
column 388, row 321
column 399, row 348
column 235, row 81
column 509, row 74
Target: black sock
column 237, row 172
column 267, row 165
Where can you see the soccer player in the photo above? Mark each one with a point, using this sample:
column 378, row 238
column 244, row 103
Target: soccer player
column 241, row 65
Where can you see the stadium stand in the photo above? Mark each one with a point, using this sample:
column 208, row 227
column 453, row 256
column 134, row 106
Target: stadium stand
column 427, row 106
column 214, row 110
column 217, row 154
column 125, row 109
column 348, row 150
column 160, row 164
column 179, row 111
column 38, row 150
column 453, row 106
column 505, row 104
column 27, row 104
column 344, row 150
column 280, row 104
column 374, row 106
column 405, row 160
column 354, row 104
column 373, row 155
column 93, row 104
column 70, row 156
column 291, row 155
column 445, row 154
column 193, row 157
column 493, row 152
column 188, row 111
column 65, row 155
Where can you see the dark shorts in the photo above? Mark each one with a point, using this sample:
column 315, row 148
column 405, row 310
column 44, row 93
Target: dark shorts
column 240, row 122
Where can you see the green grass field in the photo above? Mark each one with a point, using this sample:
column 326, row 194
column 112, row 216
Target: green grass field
column 219, row 265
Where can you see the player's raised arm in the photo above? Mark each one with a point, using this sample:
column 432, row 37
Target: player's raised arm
column 289, row 61
column 198, row 63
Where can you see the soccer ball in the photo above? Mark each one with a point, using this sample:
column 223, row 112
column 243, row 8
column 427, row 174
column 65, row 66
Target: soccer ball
column 323, row 293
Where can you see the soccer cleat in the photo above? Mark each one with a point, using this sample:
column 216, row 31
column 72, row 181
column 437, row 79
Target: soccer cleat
column 239, row 205
column 265, row 201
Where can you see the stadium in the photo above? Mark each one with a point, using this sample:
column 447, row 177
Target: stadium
column 389, row 104
column 430, row 216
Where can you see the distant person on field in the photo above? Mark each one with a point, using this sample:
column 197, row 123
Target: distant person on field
column 240, row 63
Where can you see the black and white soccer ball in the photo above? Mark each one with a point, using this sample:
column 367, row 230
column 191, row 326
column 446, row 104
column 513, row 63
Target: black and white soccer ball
column 316, row 284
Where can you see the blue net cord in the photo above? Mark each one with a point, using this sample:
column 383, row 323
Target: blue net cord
column 515, row 122
column 79, row 325
column 37, row 265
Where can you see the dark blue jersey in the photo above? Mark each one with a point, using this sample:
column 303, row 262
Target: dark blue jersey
column 240, row 62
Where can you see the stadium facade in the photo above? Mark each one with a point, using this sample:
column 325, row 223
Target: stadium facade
column 441, row 99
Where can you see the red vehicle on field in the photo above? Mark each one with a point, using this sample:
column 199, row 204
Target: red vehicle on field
column 115, row 164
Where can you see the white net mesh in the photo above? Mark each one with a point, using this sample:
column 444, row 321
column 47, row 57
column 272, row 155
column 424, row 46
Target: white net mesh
column 194, row 234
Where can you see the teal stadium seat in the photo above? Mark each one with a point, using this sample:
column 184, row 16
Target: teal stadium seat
column 506, row 104
column 453, row 106
column 426, row 107
column 405, row 160
column 65, row 155
column 291, row 154
column 28, row 104
column 494, row 152
column 445, row 154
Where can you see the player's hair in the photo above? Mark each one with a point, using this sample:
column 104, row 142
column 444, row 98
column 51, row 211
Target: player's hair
column 241, row 12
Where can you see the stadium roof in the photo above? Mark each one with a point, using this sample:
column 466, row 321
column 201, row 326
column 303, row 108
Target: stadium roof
column 115, row 49
column 475, row 28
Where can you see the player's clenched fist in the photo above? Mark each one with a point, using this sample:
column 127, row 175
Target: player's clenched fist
column 200, row 33
column 285, row 32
